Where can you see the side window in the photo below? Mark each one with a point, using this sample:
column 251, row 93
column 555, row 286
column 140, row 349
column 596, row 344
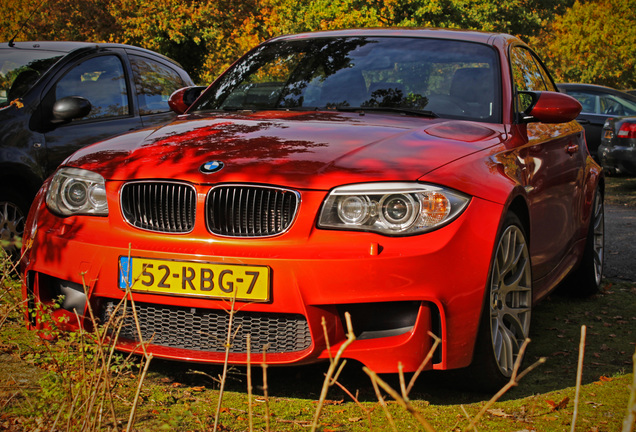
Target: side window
column 528, row 76
column 589, row 101
column 154, row 83
column 101, row 80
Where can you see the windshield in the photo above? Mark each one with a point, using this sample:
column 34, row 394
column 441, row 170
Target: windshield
column 20, row 69
column 449, row 78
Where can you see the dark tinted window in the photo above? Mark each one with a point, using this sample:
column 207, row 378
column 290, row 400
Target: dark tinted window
column 101, row 80
column 452, row 78
column 155, row 83
column 20, row 69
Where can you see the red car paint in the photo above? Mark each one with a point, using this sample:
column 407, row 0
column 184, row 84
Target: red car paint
column 543, row 168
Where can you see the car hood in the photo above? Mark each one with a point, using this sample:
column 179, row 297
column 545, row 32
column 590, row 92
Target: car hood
column 310, row 150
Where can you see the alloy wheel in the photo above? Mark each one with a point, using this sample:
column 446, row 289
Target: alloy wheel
column 11, row 225
column 510, row 298
column 598, row 226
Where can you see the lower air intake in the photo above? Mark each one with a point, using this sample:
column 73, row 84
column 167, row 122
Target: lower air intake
column 206, row 329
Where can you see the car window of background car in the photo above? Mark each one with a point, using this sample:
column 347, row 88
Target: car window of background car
column 604, row 103
column 101, row 80
column 528, row 75
column 19, row 70
column 155, row 83
column 454, row 79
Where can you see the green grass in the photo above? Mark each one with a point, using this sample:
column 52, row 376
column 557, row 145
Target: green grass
column 37, row 375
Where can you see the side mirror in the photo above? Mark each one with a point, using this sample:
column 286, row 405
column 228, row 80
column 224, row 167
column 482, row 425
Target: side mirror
column 69, row 108
column 551, row 107
column 182, row 99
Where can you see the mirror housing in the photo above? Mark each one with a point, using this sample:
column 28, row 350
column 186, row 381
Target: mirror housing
column 551, row 107
column 69, row 108
column 182, row 99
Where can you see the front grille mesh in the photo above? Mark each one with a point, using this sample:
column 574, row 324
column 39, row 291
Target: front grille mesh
column 250, row 211
column 159, row 206
column 206, row 330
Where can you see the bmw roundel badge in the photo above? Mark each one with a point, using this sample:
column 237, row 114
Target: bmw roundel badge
column 211, row 167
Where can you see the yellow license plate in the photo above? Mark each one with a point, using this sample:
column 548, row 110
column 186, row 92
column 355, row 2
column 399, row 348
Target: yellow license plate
column 200, row 279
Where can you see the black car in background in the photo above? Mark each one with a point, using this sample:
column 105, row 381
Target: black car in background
column 617, row 151
column 599, row 104
column 56, row 97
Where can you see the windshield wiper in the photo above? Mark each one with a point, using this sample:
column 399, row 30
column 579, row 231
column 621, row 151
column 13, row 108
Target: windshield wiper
column 410, row 111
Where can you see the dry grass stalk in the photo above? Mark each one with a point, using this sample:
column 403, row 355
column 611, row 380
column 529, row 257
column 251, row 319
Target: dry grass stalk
column 265, row 389
column 228, row 345
column 133, row 410
column 514, row 380
column 428, row 358
column 334, row 367
column 579, row 376
column 399, row 399
column 467, row 416
column 357, row 402
column 385, row 408
column 147, row 357
column 250, row 414
column 630, row 418
column 403, row 399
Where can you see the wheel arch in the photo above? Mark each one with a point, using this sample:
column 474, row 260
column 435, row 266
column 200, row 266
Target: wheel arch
column 20, row 180
column 519, row 207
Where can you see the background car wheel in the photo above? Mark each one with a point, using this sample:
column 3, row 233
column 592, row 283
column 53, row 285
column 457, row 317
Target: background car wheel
column 586, row 279
column 505, row 321
column 13, row 211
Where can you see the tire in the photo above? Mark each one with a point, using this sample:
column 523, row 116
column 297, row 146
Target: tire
column 13, row 212
column 505, row 318
column 585, row 280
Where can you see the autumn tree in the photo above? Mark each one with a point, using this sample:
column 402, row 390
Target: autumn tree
column 71, row 20
column 589, row 41
column 593, row 42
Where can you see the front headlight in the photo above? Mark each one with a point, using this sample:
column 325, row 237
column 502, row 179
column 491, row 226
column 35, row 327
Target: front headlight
column 75, row 191
column 391, row 208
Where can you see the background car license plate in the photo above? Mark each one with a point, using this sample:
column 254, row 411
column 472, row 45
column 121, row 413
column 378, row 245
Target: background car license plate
column 186, row 278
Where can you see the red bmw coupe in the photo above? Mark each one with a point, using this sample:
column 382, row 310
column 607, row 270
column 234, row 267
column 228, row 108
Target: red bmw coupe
column 420, row 180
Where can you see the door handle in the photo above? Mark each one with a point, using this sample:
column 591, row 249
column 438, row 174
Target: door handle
column 572, row 148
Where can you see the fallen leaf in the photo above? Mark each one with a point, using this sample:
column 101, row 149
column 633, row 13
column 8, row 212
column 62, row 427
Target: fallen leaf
column 498, row 412
column 557, row 406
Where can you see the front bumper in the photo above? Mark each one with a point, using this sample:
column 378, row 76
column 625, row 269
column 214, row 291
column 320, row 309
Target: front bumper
column 396, row 289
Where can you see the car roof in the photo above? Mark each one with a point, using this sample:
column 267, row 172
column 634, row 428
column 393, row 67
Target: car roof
column 68, row 46
column 583, row 86
column 597, row 88
column 63, row 47
column 465, row 35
